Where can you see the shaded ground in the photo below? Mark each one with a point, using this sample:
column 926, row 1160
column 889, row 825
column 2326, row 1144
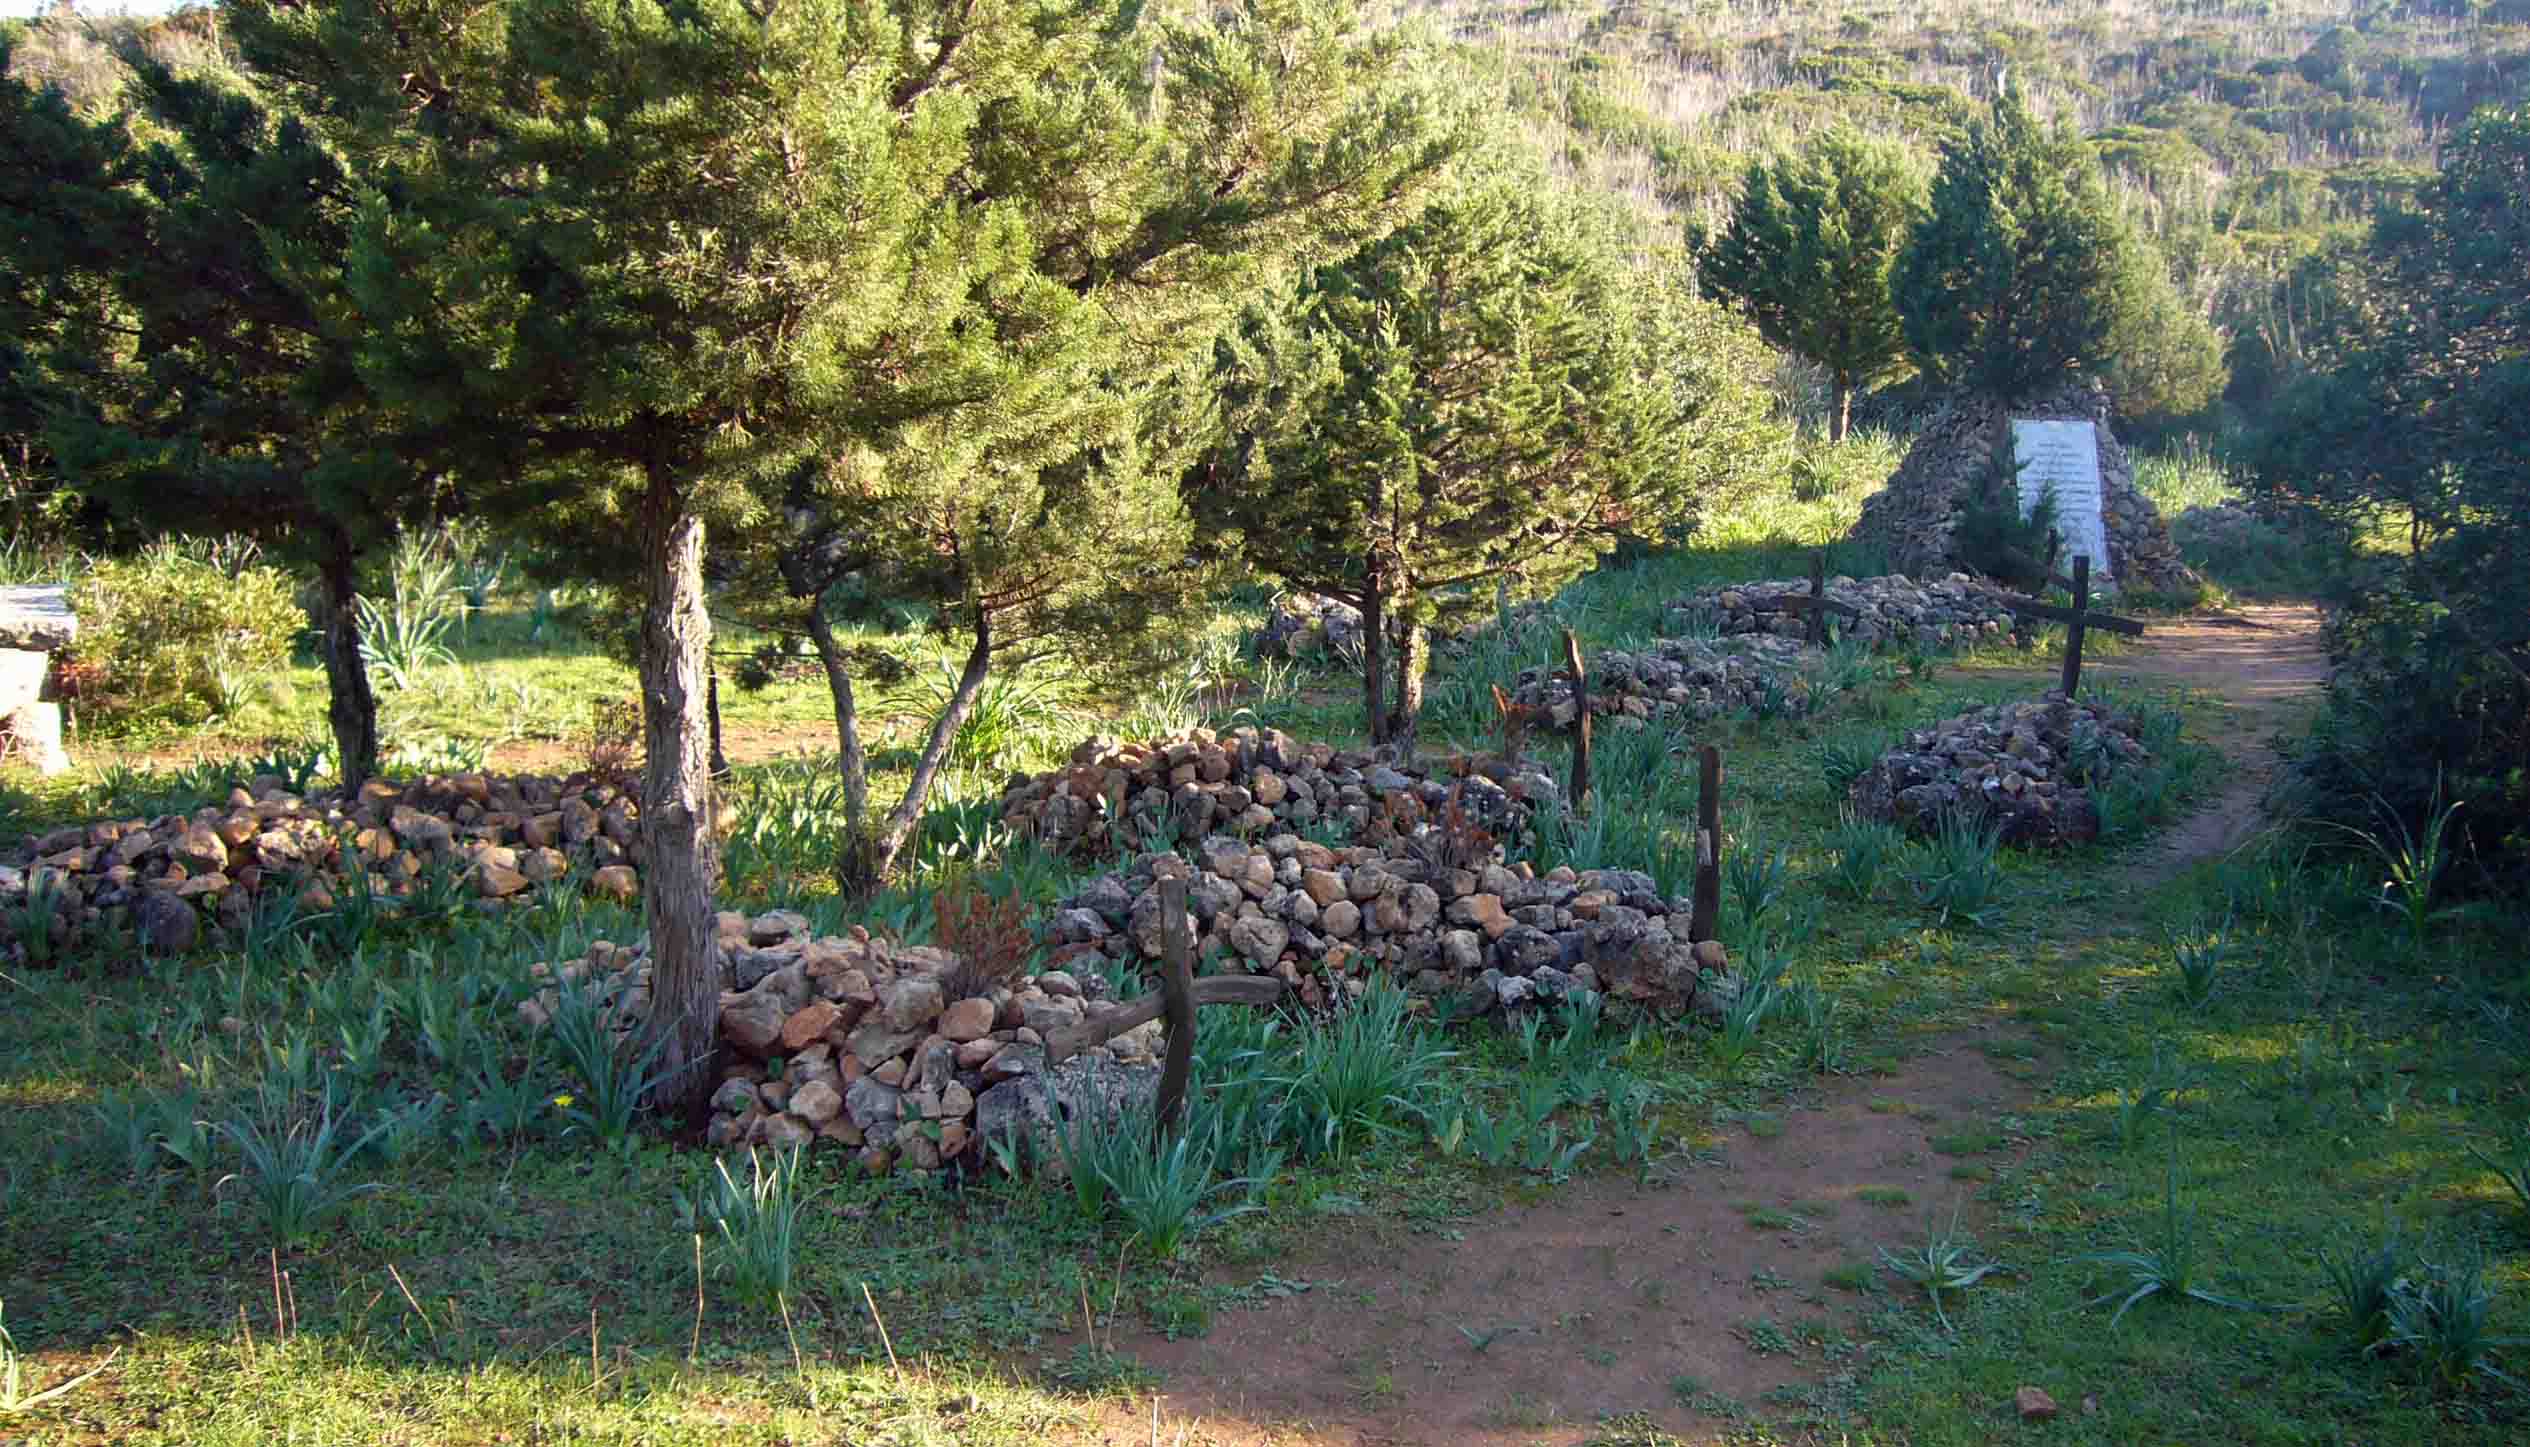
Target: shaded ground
column 1537, row 1323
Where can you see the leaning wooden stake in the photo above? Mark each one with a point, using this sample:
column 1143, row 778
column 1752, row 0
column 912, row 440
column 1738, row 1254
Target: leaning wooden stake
column 2073, row 628
column 1814, row 628
column 1581, row 720
column 1071, row 1040
column 1177, row 1001
column 1707, row 917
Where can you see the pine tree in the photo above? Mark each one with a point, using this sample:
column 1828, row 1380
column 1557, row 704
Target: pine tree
column 194, row 377
column 1477, row 406
column 2023, row 271
column 640, row 267
column 1808, row 250
column 1041, row 519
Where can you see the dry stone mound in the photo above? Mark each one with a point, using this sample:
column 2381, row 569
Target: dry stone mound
column 2025, row 769
column 893, row 1051
column 1114, row 797
column 1912, row 519
column 1306, row 623
column 1473, row 932
column 177, row 874
column 1697, row 679
column 1896, row 610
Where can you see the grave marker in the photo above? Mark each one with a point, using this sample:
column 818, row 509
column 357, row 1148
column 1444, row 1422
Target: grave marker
column 1817, row 605
column 2065, row 457
column 2076, row 619
column 34, row 623
column 1179, row 993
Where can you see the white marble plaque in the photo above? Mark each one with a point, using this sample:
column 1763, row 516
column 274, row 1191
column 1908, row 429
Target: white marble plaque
column 2065, row 456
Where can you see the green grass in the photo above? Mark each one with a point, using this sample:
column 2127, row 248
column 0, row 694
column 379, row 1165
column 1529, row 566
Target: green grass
column 2338, row 1076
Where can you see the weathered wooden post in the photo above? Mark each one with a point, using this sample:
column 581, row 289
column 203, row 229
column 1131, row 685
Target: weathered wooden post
column 2078, row 619
column 1816, row 607
column 1581, row 720
column 1707, row 918
column 1179, row 995
column 1814, row 628
column 2073, row 627
column 1177, row 998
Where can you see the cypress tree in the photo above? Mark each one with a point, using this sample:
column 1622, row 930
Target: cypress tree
column 1476, row 407
column 195, row 375
column 1808, row 250
column 2023, row 272
column 639, row 267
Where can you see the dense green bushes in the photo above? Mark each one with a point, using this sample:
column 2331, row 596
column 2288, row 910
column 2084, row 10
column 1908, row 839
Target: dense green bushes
column 174, row 635
column 2414, row 425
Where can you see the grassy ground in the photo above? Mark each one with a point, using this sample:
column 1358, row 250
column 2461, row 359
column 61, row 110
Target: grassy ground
column 509, row 1278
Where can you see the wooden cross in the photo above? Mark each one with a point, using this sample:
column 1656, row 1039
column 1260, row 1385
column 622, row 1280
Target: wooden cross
column 1817, row 605
column 2076, row 619
column 1180, row 992
column 1706, row 918
column 1580, row 720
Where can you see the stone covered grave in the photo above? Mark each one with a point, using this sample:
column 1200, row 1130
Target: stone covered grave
column 1113, row 796
column 894, row 1051
column 2026, row 768
column 1742, row 649
column 1894, row 611
column 171, row 876
column 35, row 623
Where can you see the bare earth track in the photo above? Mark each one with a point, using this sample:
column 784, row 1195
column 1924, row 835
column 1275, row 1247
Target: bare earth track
column 1536, row 1322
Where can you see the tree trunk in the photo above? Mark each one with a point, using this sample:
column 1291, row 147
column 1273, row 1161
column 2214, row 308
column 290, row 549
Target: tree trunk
column 1843, row 407
column 350, row 705
column 681, row 867
column 857, row 870
column 1374, row 662
column 1414, row 648
column 944, row 729
column 711, row 695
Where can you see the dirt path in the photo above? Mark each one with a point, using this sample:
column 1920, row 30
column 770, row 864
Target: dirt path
column 1679, row 1300
column 2267, row 670
column 1688, row 1300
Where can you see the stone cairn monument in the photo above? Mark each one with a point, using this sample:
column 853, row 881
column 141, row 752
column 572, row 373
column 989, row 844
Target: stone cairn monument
column 1913, row 517
column 35, row 622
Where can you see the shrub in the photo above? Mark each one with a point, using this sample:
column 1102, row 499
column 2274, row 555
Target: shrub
column 171, row 636
column 1994, row 537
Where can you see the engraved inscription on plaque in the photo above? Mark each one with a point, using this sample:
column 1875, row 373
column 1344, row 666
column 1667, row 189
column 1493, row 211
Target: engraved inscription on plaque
column 2065, row 457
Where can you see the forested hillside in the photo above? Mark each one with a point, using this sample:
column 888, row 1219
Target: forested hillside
column 2243, row 138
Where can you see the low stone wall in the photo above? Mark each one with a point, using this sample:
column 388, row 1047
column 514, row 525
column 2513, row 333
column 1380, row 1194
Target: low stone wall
column 2025, row 768
column 893, row 1051
column 174, row 873
column 1478, row 934
column 1115, row 796
column 1896, row 610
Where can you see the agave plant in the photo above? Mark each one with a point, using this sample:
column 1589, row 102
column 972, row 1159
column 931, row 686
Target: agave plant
column 1941, row 1264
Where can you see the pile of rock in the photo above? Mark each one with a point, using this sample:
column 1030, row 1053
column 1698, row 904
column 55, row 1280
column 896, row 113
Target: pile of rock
column 1302, row 624
column 1471, row 931
column 1912, row 519
column 2024, row 768
column 1896, row 610
column 1690, row 678
column 1114, row 796
column 895, row 1051
column 504, row 836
